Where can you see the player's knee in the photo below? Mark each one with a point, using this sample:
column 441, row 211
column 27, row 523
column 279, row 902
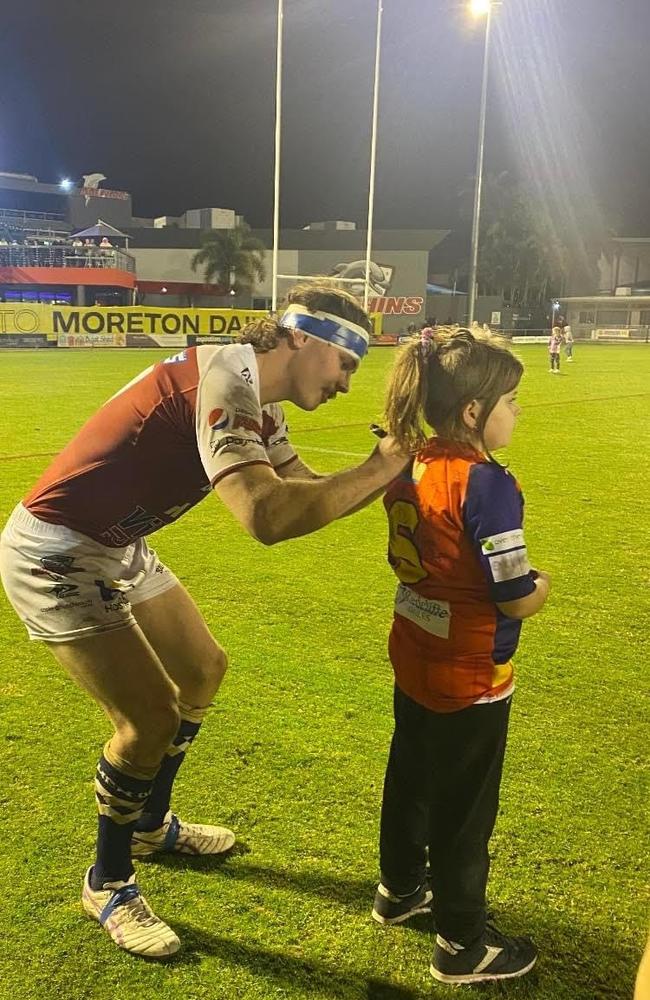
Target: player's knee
column 149, row 734
column 216, row 666
column 206, row 676
column 166, row 720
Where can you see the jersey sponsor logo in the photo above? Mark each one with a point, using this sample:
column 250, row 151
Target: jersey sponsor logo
column 65, row 607
column 56, row 566
column 45, row 573
column 136, row 524
column 247, row 375
column 432, row 616
column 108, row 593
column 63, row 590
column 269, row 445
column 248, row 422
column 501, row 542
column 114, row 599
column 218, row 419
column 175, row 358
column 269, row 426
column 509, row 565
column 230, row 441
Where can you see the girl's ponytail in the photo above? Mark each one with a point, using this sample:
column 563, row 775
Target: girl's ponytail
column 404, row 407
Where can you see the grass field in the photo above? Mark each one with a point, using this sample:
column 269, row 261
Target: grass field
column 293, row 754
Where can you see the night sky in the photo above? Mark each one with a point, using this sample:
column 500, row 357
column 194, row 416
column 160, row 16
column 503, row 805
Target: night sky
column 174, row 100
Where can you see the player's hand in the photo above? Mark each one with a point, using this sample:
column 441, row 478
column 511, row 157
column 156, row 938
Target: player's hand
column 546, row 577
column 392, row 454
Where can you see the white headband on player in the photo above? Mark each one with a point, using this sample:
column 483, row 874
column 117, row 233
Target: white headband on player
column 339, row 332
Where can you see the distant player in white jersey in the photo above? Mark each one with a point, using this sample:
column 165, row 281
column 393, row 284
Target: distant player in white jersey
column 77, row 567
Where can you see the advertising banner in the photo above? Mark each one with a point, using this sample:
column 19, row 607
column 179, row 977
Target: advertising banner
column 127, row 326
column 19, row 319
column 153, row 326
column 30, row 340
column 91, row 340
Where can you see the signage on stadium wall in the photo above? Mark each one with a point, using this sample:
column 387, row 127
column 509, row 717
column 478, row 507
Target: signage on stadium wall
column 152, row 323
column 23, row 319
column 30, row 340
column 128, row 326
column 103, row 193
column 396, row 305
column 91, row 340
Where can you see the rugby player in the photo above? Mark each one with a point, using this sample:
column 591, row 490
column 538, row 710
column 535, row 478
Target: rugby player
column 78, row 569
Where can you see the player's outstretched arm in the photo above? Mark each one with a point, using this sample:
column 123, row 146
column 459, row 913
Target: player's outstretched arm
column 272, row 509
column 298, row 470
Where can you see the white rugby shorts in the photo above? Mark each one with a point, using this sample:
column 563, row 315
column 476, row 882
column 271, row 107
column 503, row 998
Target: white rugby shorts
column 65, row 586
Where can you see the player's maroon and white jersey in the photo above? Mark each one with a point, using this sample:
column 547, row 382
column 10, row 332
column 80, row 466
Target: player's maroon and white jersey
column 160, row 444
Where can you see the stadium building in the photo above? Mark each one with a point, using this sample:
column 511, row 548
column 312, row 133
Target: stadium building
column 148, row 261
column 82, row 246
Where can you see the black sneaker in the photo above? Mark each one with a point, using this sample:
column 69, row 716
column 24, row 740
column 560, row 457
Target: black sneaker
column 391, row 909
column 494, row 956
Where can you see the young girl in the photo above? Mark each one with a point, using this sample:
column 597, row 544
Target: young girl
column 554, row 344
column 457, row 546
column 568, row 342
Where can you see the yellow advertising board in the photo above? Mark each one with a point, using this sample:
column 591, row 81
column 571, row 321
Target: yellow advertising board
column 126, row 326
column 25, row 318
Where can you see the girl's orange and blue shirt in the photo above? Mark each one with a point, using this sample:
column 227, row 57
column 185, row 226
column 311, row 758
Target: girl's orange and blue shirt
column 456, row 544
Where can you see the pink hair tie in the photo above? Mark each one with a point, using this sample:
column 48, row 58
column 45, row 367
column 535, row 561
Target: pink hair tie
column 426, row 342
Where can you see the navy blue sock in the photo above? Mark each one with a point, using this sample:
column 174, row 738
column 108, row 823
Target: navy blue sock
column 161, row 792
column 120, row 797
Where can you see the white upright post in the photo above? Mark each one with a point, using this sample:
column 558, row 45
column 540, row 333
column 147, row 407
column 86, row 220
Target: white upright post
column 373, row 155
column 278, row 143
column 473, row 266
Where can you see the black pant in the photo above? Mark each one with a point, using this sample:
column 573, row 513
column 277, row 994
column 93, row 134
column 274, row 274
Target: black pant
column 442, row 792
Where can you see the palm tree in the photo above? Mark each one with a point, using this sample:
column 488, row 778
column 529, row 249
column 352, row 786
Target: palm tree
column 232, row 258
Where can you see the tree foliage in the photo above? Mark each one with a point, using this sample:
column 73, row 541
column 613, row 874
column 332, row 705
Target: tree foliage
column 521, row 255
column 231, row 258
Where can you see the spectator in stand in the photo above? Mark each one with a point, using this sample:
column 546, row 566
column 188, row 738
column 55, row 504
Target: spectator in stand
column 107, row 252
column 90, row 249
column 554, row 344
column 77, row 250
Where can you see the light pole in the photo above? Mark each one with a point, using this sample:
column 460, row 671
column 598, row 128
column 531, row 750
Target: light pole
column 479, row 8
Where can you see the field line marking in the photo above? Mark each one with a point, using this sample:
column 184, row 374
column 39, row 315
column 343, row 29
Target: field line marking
column 333, row 451
column 345, row 427
column 36, row 454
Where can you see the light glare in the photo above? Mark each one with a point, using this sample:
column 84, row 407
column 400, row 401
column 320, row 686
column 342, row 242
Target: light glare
column 65, row 184
column 480, row 7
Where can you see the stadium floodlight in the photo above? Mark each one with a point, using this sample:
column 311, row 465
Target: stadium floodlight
column 480, row 7
column 65, row 184
column 554, row 312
